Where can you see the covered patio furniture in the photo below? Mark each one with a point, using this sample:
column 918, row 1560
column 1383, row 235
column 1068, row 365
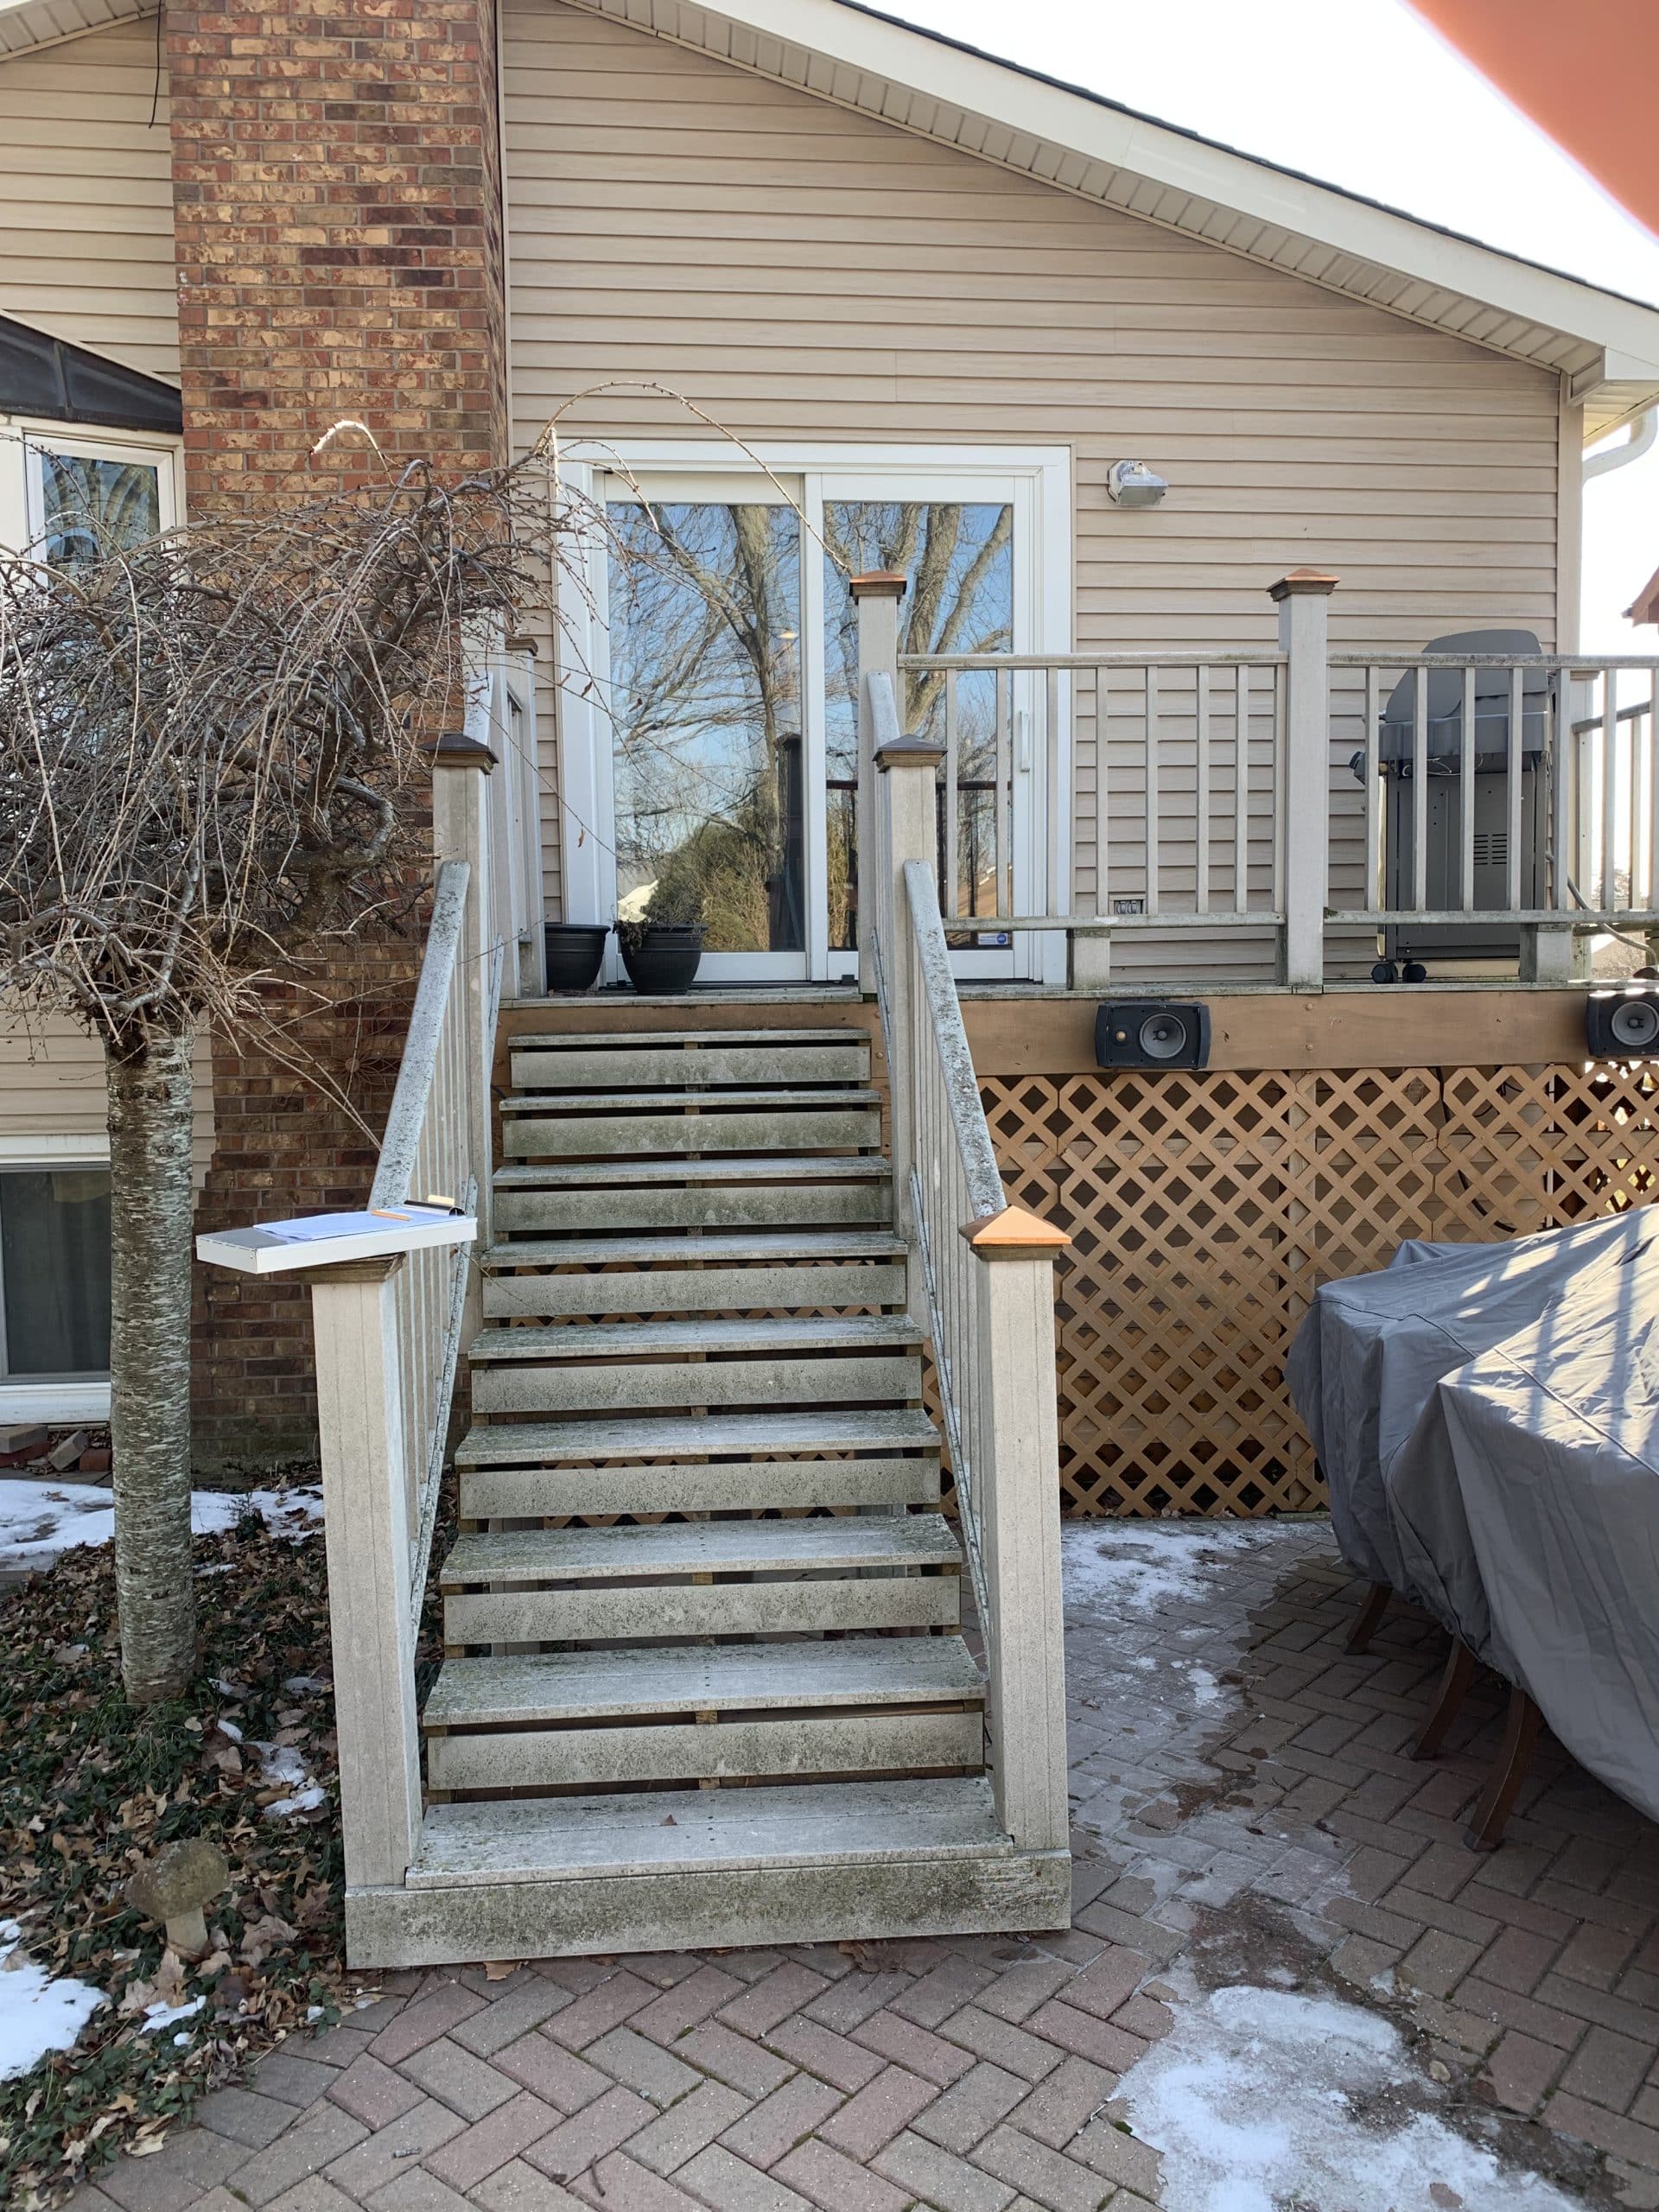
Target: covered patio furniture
column 1370, row 1352
column 1525, row 1504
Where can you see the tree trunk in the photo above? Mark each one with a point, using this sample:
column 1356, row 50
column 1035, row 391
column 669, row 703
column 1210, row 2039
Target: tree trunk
column 149, row 1362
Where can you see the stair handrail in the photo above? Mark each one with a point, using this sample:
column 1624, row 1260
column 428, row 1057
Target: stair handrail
column 982, row 1272
column 426, row 1151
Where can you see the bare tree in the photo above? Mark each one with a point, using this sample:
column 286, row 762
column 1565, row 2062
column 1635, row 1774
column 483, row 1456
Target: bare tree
column 211, row 746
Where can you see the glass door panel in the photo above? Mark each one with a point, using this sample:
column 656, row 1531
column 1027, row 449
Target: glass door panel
column 957, row 556
column 705, row 688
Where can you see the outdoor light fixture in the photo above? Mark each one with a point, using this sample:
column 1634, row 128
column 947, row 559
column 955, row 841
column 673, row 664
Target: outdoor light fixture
column 1132, row 484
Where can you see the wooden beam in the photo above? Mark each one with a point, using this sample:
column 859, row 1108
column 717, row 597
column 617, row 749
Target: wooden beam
column 1401, row 1026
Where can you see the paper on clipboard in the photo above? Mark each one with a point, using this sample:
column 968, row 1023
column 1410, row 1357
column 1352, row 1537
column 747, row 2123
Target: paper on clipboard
column 314, row 1227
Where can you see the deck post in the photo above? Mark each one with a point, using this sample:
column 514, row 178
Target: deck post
column 876, row 595
column 1305, row 783
column 367, row 1488
column 906, row 807
column 1020, row 1523
column 460, row 831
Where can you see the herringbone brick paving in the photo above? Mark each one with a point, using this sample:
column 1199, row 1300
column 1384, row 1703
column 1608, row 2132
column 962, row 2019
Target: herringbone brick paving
column 1245, row 1810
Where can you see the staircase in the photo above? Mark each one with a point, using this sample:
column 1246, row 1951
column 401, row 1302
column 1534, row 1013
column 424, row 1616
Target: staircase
column 704, row 1678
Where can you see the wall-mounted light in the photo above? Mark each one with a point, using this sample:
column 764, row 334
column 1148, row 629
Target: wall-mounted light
column 1132, row 484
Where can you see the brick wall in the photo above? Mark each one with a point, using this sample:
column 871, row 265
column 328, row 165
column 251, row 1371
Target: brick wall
column 338, row 220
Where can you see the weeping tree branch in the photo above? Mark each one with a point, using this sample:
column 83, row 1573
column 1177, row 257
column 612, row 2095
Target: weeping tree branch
column 212, row 769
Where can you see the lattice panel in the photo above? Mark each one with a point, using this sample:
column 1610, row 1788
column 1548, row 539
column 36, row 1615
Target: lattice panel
column 1205, row 1208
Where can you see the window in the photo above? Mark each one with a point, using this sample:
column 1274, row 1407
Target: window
column 64, row 490
column 55, row 1273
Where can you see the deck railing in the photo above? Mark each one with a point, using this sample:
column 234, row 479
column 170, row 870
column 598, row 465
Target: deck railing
column 1295, row 799
column 981, row 1270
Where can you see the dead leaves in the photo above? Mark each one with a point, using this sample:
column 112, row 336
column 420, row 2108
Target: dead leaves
column 90, row 1787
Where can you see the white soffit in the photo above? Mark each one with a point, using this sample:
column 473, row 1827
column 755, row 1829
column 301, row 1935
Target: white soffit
column 49, row 23
column 1606, row 346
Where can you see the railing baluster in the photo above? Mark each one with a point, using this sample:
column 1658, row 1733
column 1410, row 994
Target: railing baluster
column 1002, row 798
column 1057, row 876
column 1154, row 831
column 1653, row 788
column 1201, row 793
column 1373, row 788
column 1466, row 797
column 1513, row 793
column 1419, row 793
column 952, row 902
column 1242, row 793
column 1609, row 790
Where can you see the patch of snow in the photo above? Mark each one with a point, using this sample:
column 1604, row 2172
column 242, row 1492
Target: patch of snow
column 304, row 1801
column 1206, row 1690
column 38, row 1521
column 163, row 2016
column 37, row 2013
column 305, row 1685
column 1136, row 1567
column 1259, row 2098
column 280, row 1766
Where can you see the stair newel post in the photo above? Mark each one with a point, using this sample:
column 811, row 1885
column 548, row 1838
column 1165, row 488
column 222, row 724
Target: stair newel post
column 366, row 1487
column 876, row 597
column 1303, row 792
column 460, row 831
column 1019, row 1508
column 906, row 829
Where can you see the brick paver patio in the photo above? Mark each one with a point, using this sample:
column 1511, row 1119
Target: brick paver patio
column 1245, row 1814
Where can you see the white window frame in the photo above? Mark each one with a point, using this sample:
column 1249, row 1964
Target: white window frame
column 1036, row 480
column 24, row 438
column 55, row 1402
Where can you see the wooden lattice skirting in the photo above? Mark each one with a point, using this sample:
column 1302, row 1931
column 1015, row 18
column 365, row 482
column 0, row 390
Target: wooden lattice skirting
column 1205, row 1208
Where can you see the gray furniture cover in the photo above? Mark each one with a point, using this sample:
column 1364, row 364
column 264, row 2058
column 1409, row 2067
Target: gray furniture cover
column 1370, row 1350
column 1526, row 1510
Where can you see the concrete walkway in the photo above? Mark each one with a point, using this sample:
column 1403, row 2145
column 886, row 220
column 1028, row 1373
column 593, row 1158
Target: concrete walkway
column 1285, row 1966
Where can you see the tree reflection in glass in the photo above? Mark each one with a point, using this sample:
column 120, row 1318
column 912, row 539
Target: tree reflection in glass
column 958, row 559
column 706, row 711
column 90, row 505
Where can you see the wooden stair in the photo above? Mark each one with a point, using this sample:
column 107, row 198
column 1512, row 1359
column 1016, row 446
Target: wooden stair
column 704, row 1680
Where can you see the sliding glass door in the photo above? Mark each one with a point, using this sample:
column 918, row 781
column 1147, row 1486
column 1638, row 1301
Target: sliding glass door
column 710, row 743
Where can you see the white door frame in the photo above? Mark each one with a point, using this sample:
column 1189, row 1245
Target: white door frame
column 1036, row 481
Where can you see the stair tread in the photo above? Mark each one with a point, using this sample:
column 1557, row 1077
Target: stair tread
column 775, row 1244
column 598, row 1684
column 655, row 1040
column 674, row 1831
column 645, row 1339
column 711, row 1435
column 517, row 1556
column 643, row 1099
column 735, row 1167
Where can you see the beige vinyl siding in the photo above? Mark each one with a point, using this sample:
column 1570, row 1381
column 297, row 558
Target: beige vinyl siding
column 797, row 269
column 52, row 1085
column 86, row 198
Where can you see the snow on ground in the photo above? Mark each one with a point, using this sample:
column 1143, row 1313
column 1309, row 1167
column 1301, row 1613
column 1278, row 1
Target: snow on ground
column 1258, row 2099
column 39, row 1520
column 1140, row 1566
column 37, row 2014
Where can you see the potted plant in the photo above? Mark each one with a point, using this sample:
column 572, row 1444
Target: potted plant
column 575, row 953
column 661, row 952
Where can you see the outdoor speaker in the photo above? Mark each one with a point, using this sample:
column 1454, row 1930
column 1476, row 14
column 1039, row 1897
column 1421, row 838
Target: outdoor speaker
column 1151, row 1033
column 1624, row 1024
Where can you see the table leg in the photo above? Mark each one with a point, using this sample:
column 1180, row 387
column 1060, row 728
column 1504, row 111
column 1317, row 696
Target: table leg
column 1371, row 1614
column 1486, row 1825
column 1454, row 1687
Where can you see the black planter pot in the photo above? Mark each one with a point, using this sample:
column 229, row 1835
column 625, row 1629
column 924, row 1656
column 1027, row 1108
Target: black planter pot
column 663, row 960
column 575, row 951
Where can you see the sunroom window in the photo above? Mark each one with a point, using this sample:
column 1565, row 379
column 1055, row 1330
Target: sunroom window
column 55, row 1273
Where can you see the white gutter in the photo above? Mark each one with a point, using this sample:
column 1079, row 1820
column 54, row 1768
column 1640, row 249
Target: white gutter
column 1644, row 431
